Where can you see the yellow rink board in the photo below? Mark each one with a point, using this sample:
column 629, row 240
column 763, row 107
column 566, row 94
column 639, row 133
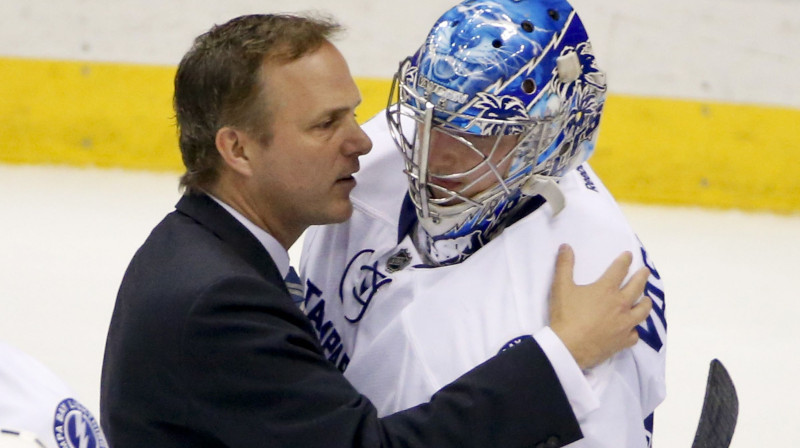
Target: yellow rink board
column 651, row 150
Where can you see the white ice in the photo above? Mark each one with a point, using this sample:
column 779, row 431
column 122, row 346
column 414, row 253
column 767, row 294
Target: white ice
column 67, row 234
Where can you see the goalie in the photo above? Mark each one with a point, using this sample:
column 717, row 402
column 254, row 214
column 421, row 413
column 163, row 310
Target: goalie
column 446, row 265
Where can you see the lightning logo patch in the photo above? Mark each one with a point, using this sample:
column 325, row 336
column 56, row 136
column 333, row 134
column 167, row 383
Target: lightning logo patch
column 75, row 427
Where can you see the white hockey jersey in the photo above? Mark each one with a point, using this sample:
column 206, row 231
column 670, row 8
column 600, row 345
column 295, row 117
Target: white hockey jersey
column 401, row 330
column 34, row 402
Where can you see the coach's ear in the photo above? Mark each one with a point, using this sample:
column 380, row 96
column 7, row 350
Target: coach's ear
column 232, row 147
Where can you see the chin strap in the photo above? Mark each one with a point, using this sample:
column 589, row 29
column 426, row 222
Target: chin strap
column 548, row 189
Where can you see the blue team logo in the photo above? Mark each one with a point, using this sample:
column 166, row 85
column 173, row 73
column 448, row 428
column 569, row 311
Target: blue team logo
column 75, row 427
column 366, row 279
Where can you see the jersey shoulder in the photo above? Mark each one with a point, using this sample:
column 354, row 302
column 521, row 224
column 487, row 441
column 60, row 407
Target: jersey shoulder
column 38, row 403
column 381, row 180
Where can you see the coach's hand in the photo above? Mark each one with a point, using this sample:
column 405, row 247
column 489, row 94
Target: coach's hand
column 597, row 320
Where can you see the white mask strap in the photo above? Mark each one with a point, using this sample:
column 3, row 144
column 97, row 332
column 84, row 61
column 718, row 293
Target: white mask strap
column 548, row 189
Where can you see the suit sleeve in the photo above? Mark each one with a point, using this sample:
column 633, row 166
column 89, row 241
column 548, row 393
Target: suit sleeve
column 255, row 376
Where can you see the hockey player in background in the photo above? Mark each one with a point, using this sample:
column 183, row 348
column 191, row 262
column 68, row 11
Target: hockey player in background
column 37, row 409
column 448, row 258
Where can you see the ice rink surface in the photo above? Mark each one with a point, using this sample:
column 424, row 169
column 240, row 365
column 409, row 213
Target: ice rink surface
column 731, row 282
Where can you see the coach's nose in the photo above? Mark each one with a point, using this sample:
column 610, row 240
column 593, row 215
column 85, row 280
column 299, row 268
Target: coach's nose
column 357, row 142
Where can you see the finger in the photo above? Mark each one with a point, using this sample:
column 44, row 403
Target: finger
column 565, row 263
column 635, row 286
column 615, row 273
column 642, row 309
column 633, row 337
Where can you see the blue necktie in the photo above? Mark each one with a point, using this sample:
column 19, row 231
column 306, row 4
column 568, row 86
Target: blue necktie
column 295, row 287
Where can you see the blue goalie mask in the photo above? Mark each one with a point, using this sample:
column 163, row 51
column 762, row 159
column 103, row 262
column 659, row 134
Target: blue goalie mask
column 513, row 84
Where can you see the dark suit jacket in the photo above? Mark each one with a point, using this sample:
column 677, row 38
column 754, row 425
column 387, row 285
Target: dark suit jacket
column 206, row 349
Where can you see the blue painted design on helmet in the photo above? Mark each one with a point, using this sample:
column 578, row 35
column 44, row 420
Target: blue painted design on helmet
column 495, row 68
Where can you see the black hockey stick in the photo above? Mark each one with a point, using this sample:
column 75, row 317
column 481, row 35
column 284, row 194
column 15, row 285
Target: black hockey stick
column 720, row 410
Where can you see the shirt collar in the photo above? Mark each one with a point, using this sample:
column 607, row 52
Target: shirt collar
column 277, row 252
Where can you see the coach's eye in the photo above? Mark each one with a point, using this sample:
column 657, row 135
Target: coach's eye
column 326, row 124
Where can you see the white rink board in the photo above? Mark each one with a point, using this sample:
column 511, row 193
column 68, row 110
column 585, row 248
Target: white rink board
column 723, row 50
column 68, row 234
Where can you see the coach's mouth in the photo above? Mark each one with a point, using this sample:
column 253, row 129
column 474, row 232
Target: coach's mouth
column 347, row 178
column 349, row 173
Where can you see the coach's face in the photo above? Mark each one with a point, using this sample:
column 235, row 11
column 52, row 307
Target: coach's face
column 304, row 174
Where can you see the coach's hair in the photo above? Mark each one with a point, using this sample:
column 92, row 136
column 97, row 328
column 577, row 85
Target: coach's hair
column 218, row 83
